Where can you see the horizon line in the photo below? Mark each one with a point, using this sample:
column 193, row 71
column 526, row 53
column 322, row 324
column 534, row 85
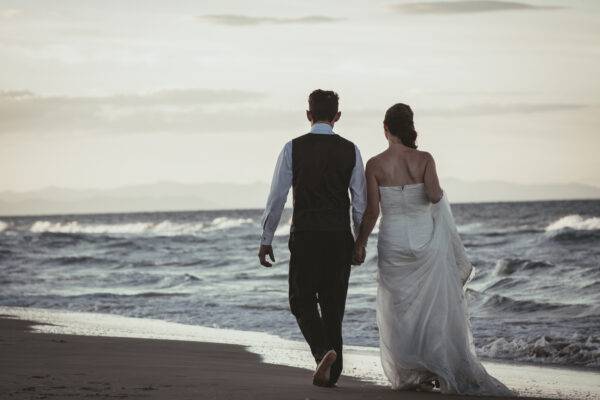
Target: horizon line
column 489, row 202
column 158, row 182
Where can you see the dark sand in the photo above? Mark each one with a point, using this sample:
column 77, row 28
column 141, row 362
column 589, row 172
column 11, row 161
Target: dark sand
column 46, row 366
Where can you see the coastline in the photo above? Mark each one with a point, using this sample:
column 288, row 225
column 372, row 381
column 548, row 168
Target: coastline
column 283, row 365
column 70, row 366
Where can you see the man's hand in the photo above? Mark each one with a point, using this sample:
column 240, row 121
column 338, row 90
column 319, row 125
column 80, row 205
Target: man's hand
column 262, row 255
column 359, row 255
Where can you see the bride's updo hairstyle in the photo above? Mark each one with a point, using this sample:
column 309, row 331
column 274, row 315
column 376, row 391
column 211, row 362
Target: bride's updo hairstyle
column 399, row 121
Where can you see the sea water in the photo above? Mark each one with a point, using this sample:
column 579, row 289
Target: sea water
column 535, row 297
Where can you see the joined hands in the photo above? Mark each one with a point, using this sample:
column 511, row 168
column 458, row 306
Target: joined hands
column 359, row 254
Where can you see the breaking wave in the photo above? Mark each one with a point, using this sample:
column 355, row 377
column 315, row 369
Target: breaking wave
column 3, row 226
column 475, row 227
column 283, row 230
column 508, row 266
column 575, row 222
column 163, row 228
column 574, row 228
column 221, row 223
column 583, row 351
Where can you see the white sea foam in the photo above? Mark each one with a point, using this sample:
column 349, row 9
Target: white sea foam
column 560, row 351
column 474, row 227
column 376, row 227
column 3, row 226
column 575, row 222
column 160, row 228
column 165, row 228
column 221, row 223
column 283, row 230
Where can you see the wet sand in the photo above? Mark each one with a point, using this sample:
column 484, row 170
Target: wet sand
column 50, row 366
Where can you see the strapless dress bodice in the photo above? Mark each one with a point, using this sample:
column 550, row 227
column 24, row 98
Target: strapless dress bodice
column 406, row 218
column 406, row 200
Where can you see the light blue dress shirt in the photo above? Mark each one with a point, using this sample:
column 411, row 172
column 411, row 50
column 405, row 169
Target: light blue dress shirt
column 282, row 181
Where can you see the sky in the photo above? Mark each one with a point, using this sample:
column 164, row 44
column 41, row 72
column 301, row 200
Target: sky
column 101, row 94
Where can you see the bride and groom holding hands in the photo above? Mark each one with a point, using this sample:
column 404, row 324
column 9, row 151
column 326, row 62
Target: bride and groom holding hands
column 422, row 315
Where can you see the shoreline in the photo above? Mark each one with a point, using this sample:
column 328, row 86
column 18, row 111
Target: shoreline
column 61, row 366
column 362, row 367
column 71, row 366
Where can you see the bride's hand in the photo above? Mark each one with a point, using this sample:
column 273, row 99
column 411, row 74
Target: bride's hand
column 358, row 257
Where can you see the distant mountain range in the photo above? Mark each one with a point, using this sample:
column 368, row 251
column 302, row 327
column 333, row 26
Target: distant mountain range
column 171, row 196
column 460, row 191
column 161, row 196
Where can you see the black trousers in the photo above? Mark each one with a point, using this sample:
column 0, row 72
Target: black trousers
column 319, row 272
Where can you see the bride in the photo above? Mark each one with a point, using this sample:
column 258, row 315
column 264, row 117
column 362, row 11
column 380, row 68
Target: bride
column 425, row 336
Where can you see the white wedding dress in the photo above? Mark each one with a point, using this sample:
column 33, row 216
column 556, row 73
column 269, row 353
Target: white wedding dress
column 421, row 306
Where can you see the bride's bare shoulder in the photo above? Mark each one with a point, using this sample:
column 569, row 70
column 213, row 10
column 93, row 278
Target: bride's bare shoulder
column 375, row 165
column 423, row 156
column 376, row 160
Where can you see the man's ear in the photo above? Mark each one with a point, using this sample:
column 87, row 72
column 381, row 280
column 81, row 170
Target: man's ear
column 309, row 116
column 337, row 116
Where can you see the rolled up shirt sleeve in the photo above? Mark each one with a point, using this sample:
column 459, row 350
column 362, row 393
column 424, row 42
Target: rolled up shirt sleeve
column 280, row 187
column 358, row 191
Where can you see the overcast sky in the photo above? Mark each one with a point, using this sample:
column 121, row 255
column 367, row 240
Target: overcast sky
column 97, row 94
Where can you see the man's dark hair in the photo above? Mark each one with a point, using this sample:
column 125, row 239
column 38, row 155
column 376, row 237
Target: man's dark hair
column 323, row 105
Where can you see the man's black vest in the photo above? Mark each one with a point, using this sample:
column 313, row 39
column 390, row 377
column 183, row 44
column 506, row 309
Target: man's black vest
column 322, row 166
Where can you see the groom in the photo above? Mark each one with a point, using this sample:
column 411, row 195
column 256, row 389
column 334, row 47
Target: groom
column 321, row 167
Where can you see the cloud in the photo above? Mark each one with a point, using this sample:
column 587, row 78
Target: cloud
column 471, row 110
column 186, row 110
column 464, row 7
column 10, row 13
column 246, row 20
column 196, row 111
column 17, row 100
column 15, row 94
column 500, row 109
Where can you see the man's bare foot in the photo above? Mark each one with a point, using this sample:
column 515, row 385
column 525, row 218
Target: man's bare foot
column 322, row 373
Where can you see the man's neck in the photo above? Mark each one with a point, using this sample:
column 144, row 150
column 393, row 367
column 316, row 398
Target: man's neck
column 321, row 128
column 330, row 123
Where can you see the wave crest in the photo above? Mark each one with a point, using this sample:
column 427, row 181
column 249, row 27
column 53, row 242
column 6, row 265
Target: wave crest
column 3, row 226
column 584, row 351
column 163, row 228
column 575, row 222
column 283, row 230
column 471, row 228
column 508, row 266
column 221, row 223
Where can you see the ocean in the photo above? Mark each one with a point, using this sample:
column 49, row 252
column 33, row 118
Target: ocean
column 535, row 296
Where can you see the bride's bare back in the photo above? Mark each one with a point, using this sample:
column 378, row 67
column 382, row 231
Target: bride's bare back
column 400, row 166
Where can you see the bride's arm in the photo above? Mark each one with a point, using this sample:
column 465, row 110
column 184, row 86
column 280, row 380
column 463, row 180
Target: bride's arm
column 371, row 213
column 432, row 183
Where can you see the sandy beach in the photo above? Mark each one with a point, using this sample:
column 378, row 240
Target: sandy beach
column 39, row 366
column 61, row 354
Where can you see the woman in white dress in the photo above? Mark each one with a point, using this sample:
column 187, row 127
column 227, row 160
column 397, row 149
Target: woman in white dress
column 422, row 315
